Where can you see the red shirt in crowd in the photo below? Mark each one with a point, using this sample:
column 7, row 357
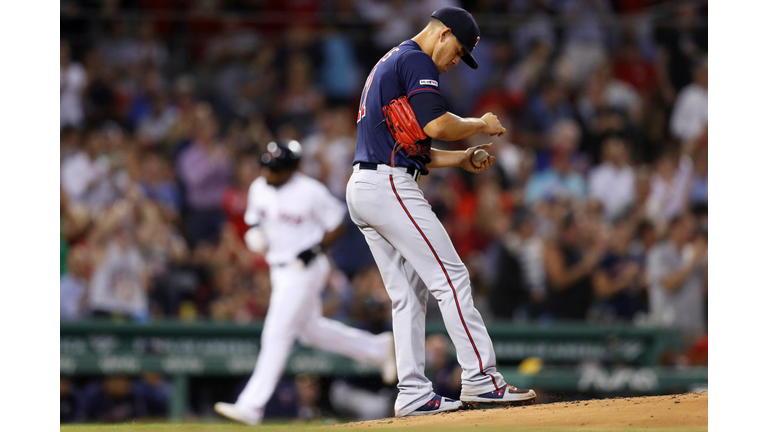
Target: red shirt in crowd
column 638, row 73
column 234, row 203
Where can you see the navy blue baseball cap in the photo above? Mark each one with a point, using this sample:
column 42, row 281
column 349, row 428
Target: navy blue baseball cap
column 464, row 27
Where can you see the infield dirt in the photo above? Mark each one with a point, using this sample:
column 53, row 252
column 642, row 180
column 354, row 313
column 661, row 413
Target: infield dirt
column 686, row 412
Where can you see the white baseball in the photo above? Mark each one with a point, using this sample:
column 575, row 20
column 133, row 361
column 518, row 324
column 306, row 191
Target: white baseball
column 479, row 156
column 256, row 240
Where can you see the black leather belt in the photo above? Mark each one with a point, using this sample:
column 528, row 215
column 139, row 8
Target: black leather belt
column 411, row 171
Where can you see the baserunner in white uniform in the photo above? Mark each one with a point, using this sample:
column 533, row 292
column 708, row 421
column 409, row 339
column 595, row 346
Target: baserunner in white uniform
column 294, row 217
column 412, row 249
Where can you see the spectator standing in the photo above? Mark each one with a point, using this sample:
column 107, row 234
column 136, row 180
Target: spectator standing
column 204, row 168
column 89, row 177
column 569, row 266
column 690, row 114
column 72, row 85
column 520, row 287
column 613, row 181
column 677, row 277
column 619, row 280
column 670, row 185
column 120, row 279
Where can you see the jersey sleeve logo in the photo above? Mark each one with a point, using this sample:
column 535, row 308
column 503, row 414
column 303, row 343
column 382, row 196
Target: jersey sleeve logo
column 428, row 82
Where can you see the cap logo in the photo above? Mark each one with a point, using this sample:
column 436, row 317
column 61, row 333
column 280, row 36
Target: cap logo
column 476, row 41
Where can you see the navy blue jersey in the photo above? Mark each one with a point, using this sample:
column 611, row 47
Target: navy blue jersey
column 404, row 70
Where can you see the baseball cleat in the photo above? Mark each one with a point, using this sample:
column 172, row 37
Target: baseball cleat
column 507, row 395
column 438, row 404
column 389, row 367
column 232, row 412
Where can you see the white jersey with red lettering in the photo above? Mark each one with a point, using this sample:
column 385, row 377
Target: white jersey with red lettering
column 294, row 217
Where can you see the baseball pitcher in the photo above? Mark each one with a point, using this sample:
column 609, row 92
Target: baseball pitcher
column 401, row 110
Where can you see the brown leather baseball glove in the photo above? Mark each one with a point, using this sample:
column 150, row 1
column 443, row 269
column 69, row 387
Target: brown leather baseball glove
column 405, row 128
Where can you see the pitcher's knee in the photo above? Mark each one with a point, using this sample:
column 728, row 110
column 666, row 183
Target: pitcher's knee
column 454, row 284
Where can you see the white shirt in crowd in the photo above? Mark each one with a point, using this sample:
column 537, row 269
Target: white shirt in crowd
column 510, row 159
column 614, row 186
column 91, row 181
column 119, row 284
column 668, row 198
column 531, row 255
column 690, row 114
column 73, row 81
column 294, row 216
column 683, row 308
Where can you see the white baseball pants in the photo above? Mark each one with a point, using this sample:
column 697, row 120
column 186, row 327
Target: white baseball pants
column 415, row 257
column 295, row 312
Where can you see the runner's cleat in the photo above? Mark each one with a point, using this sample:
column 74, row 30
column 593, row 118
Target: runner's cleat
column 233, row 412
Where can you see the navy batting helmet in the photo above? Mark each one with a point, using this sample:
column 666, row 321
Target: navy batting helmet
column 281, row 156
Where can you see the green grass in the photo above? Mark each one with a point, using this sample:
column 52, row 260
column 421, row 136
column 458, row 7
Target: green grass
column 227, row 427
column 191, row 427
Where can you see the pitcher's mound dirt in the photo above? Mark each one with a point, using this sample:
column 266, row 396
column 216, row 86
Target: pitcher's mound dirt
column 687, row 412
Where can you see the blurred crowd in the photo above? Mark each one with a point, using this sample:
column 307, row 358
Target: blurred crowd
column 596, row 208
